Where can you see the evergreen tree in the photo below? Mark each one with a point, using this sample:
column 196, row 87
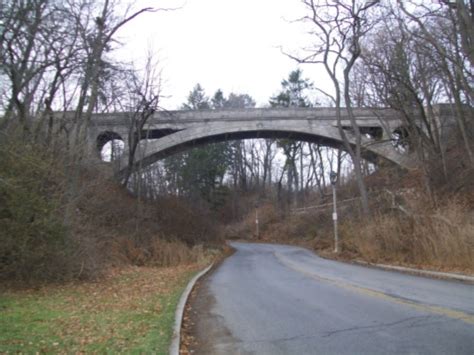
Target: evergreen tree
column 200, row 172
column 239, row 101
column 218, row 100
column 197, row 99
column 293, row 94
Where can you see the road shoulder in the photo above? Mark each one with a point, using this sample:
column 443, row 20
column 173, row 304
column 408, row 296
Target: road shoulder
column 198, row 319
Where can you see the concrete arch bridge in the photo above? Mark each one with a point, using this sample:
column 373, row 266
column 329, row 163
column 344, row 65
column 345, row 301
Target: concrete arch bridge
column 172, row 131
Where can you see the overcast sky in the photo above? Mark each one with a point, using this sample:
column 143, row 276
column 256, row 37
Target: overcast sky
column 229, row 44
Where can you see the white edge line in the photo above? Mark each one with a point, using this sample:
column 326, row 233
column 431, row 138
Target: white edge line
column 176, row 338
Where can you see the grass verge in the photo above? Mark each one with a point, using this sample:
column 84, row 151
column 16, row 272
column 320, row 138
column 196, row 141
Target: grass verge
column 130, row 310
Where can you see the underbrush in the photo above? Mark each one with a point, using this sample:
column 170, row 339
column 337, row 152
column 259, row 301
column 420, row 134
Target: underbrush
column 166, row 232
column 54, row 228
column 34, row 241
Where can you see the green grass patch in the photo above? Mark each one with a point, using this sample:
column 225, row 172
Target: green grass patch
column 132, row 310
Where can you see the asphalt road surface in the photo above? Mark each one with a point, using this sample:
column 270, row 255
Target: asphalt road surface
column 275, row 299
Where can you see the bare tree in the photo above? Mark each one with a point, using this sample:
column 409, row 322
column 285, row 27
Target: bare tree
column 464, row 12
column 97, row 36
column 401, row 76
column 339, row 27
column 46, row 48
column 97, row 25
column 145, row 94
column 439, row 32
column 27, row 40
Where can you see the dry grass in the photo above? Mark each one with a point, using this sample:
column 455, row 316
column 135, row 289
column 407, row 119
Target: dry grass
column 156, row 252
column 436, row 239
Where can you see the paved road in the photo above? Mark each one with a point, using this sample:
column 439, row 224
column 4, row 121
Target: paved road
column 275, row 299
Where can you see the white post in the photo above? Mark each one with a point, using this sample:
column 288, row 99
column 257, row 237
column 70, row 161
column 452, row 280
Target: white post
column 256, row 221
column 334, row 218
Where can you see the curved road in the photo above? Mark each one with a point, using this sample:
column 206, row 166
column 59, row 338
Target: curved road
column 275, row 299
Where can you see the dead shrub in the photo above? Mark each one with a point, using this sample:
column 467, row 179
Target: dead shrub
column 183, row 220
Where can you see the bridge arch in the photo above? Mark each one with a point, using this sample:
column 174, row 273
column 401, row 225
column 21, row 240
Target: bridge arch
column 157, row 149
column 109, row 145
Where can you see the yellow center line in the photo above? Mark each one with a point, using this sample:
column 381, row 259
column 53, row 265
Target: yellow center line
column 465, row 317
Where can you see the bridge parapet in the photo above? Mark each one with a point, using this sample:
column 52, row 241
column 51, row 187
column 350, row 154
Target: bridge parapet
column 201, row 116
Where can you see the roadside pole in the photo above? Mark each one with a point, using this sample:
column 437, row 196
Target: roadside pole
column 256, row 221
column 333, row 176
